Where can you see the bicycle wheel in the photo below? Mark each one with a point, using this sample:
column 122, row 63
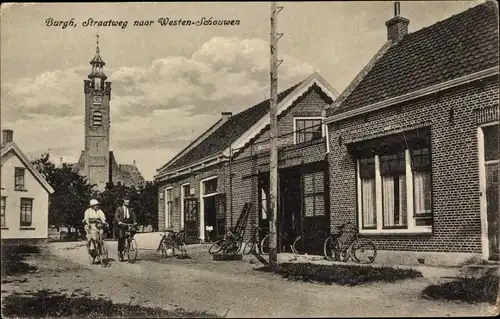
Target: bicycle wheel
column 331, row 249
column 132, row 251
column 264, row 245
column 233, row 247
column 163, row 250
column 92, row 251
column 363, row 251
column 182, row 248
column 103, row 255
column 297, row 246
column 216, row 247
column 249, row 247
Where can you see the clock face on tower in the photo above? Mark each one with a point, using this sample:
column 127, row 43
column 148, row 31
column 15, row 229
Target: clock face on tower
column 97, row 99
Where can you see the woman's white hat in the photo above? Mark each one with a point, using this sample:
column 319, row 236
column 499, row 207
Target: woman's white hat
column 94, row 202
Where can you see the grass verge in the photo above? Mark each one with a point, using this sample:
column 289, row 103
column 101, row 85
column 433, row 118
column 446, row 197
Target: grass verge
column 349, row 275
column 469, row 289
column 13, row 259
column 47, row 303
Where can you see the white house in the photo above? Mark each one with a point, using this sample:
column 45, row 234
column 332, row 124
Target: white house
column 24, row 195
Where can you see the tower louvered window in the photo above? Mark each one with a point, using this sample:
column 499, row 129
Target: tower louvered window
column 97, row 118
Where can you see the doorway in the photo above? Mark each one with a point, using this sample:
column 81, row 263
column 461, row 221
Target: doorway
column 210, row 218
column 489, row 183
column 290, row 208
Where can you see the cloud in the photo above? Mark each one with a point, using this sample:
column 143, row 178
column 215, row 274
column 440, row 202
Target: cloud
column 221, row 69
column 158, row 108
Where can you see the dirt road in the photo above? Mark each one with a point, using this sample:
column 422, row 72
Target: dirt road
column 231, row 288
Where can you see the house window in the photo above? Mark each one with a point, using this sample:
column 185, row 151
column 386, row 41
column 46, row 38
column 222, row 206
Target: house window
column 3, row 204
column 19, row 178
column 264, row 202
column 97, row 118
column 314, row 200
column 26, row 211
column 367, row 178
column 308, row 129
column 169, row 208
column 185, row 192
column 422, row 187
column 393, row 175
column 394, row 183
column 210, row 186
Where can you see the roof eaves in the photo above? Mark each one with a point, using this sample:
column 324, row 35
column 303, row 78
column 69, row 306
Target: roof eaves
column 219, row 157
column 13, row 146
column 413, row 95
column 283, row 105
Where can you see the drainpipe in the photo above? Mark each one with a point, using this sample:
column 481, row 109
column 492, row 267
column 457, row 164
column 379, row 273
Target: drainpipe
column 325, row 129
column 231, row 183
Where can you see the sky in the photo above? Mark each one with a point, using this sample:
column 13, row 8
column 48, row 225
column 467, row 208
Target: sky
column 170, row 83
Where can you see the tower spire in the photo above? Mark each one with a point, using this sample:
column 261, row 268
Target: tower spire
column 97, row 63
column 97, row 36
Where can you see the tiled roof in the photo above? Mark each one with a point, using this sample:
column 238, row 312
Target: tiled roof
column 130, row 175
column 126, row 174
column 227, row 133
column 460, row 45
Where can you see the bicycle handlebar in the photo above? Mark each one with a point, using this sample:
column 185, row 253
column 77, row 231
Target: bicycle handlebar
column 127, row 224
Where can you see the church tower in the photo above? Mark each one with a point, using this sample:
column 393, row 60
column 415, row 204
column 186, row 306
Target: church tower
column 97, row 163
column 97, row 90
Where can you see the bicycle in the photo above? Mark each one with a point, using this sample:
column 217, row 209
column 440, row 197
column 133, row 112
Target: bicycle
column 345, row 244
column 253, row 244
column 100, row 251
column 172, row 240
column 231, row 244
column 130, row 247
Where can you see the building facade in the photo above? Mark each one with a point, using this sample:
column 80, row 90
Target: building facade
column 204, row 188
column 415, row 142
column 408, row 153
column 24, row 196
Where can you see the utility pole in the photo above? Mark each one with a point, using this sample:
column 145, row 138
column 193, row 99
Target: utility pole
column 273, row 180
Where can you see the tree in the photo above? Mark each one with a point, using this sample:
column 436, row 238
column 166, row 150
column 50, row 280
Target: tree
column 148, row 204
column 72, row 192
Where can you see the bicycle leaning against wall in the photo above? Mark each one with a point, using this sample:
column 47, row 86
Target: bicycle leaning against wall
column 174, row 241
column 231, row 244
column 344, row 243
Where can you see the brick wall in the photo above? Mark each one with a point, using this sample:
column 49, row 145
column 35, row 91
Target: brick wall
column 194, row 180
column 455, row 167
column 311, row 104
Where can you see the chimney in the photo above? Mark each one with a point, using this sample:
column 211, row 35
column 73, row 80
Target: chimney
column 226, row 115
column 397, row 27
column 7, row 136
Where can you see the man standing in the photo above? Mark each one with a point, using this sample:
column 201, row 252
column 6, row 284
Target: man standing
column 124, row 215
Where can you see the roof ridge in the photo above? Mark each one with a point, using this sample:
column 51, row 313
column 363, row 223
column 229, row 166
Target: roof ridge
column 263, row 107
column 454, row 16
column 462, row 44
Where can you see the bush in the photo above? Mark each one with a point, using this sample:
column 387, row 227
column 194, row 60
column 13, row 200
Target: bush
column 350, row 275
column 46, row 303
column 471, row 290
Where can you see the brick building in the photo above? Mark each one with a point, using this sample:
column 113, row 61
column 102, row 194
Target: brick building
column 203, row 188
column 414, row 142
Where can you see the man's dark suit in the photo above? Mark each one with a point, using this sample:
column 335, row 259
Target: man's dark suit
column 120, row 217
